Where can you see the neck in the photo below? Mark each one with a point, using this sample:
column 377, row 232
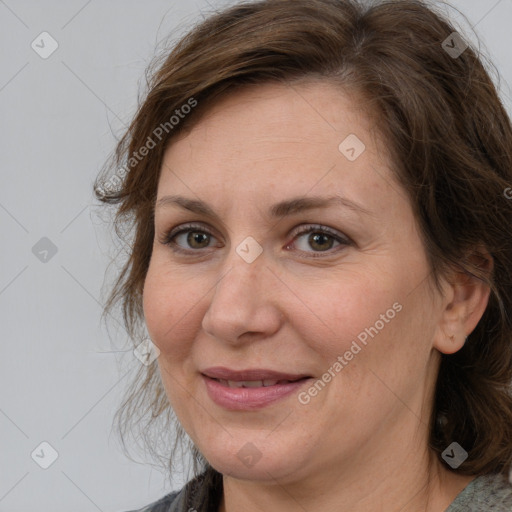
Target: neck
column 425, row 487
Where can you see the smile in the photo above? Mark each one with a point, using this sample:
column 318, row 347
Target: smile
column 251, row 383
column 249, row 393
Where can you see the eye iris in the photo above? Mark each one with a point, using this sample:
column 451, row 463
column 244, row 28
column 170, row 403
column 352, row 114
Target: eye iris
column 200, row 238
column 319, row 239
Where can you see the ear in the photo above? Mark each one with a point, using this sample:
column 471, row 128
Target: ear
column 464, row 304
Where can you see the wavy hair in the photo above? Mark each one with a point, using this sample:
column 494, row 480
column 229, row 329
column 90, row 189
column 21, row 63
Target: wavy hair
column 450, row 139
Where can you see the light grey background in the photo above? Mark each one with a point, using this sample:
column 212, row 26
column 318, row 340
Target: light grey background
column 61, row 373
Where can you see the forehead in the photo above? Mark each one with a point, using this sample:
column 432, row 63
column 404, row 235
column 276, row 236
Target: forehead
column 318, row 111
column 272, row 137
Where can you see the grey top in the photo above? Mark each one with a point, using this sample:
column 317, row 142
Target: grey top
column 487, row 493
column 491, row 493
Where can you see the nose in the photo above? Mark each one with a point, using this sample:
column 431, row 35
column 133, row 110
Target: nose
column 245, row 303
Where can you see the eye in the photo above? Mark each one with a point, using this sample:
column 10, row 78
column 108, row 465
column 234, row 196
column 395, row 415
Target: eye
column 188, row 238
column 319, row 238
column 192, row 238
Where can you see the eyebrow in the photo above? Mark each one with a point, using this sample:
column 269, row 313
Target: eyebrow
column 278, row 210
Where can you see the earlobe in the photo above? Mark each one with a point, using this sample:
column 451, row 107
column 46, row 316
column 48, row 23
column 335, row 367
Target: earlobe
column 454, row 344
column 465, row 305
column 449, row 344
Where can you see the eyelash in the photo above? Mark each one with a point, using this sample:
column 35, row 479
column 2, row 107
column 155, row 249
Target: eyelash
column 169, row 238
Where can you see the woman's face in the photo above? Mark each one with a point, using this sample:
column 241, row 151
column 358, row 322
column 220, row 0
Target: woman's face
column 303, row 260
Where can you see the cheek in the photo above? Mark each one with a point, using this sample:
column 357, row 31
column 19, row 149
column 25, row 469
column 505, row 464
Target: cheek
column 335, row 310
column 170, row 310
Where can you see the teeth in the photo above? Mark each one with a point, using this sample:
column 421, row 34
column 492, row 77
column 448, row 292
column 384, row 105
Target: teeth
column 249, row 383
column 235, row 384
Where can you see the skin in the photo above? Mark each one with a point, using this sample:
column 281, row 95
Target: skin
column 361, row 443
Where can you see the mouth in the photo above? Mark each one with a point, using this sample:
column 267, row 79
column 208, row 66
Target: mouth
column 250, row 389
column 251, row 378
column 255, row 383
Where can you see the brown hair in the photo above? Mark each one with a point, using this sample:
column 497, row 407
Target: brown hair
column 451, row 143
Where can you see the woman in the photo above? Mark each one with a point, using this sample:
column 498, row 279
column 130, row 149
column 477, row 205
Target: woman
column 322, row 257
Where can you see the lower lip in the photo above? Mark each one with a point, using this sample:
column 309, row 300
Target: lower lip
column 243, row 399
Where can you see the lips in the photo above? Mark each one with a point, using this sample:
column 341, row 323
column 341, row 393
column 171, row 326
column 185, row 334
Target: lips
column 249, row 390
column 252, row 383
column 250, row 378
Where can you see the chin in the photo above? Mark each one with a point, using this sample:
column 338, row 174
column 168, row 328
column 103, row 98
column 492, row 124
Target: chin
column 247, row 462
column 262, row 471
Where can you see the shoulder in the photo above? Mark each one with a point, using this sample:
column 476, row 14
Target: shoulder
column 163, row 504
column 486, row 493
column 202, row 491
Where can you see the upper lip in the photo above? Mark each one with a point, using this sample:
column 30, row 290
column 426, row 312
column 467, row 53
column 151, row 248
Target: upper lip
column 220, row 372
